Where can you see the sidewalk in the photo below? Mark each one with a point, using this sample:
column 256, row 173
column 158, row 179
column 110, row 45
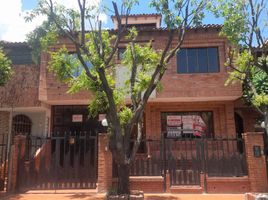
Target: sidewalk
column 65, row 195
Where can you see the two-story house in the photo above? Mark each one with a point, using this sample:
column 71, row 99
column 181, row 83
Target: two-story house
column 193, row 104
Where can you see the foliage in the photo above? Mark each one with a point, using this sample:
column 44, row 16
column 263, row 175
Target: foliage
column 40, row 38
column 174, row 14
column 246, row 29
column 255, row 81
column 94, row 68
column 235, row 22
column 5, row 68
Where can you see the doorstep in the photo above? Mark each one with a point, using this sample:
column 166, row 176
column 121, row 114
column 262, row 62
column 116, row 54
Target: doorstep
column 189, row 189
column 63, row 191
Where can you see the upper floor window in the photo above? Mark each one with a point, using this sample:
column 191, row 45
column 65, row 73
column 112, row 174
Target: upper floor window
column 198, row 60
column 120, row 53
column 79, row 68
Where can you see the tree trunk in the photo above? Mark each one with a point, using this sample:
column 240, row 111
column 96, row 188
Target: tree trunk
column 123, row 178
column 266, row 121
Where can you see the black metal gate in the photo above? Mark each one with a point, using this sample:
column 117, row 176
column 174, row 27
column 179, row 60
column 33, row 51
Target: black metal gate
column 187, row 158
column 3, row 162
column 184, row 161
column 59, row 162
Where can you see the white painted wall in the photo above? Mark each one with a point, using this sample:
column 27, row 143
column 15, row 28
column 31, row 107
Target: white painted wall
column 122, row 74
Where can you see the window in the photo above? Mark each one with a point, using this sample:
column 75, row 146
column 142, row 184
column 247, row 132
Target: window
column 198, row 60
column 188, row 124
column 120, row 52
column 22, row 125
column 79, row 68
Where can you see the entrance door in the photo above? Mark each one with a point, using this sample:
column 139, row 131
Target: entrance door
column 68, row 158
column 73, row 119
column 62, row 162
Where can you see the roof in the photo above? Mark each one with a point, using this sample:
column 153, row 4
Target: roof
column 204, row 26
column 14, row 44
column 141, row 15
column 20, row 53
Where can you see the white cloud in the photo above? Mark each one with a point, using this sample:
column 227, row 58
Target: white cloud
column 12, row 24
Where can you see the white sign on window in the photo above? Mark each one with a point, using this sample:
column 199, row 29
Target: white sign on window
column 77, row 118
column 174, row 132
column 173, row 120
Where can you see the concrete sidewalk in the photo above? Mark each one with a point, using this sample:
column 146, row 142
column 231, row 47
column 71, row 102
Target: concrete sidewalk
column 67, row 195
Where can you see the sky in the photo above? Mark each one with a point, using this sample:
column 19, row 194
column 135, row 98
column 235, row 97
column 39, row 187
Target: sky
column 13, row 27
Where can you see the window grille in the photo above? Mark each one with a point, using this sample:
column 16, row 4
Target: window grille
column 21, row 125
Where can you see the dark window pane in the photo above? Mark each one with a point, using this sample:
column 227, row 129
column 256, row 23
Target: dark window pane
column 182, row 61
column 213, row 60
column 202, row 60
column 121, row 52
column 198, row 60
column 79, row 68
column 191, row 124
column 192, row 61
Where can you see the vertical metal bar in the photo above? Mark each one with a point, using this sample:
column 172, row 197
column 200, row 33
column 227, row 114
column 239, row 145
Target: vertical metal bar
column 84, row 159
column 164, row 160
column 64, row 164
column 234, row 171
column 228, row 151
column 57, row 161
column 96, row 158
column 205, row 157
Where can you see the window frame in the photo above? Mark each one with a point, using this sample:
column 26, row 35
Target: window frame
column 80, row 68
column 197, row 60
column 119, row 53
column 22, row 124
column 208, row 133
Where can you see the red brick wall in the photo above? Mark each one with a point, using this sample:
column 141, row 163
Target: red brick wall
column 54, row 92
column 174, row 85
column 249, row 116
column 148, row 184
column 4, row 124
column 257, row 171
column 200, row 84
column 22, row 89
column 223, row 116
column 227, row 185
column 105, row 164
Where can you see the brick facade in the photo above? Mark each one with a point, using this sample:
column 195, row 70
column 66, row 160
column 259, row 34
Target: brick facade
column 105, row 164
column 4, row 124
column 227, row 185
column 257, row 171
column 22, row 89
column 180, row 93
column 198, row 86
column 256, row 181
column 223, row 116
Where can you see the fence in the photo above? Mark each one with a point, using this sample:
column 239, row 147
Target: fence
column 186, row 158
column 3, row 162
column 65, row 161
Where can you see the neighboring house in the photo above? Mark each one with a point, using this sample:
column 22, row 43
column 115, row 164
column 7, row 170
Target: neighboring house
column 20, row 94
column 193, row 99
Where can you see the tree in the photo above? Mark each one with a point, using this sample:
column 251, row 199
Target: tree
column 245, row 25
column 5, row 68
column 146, row 66
column 36, row 42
